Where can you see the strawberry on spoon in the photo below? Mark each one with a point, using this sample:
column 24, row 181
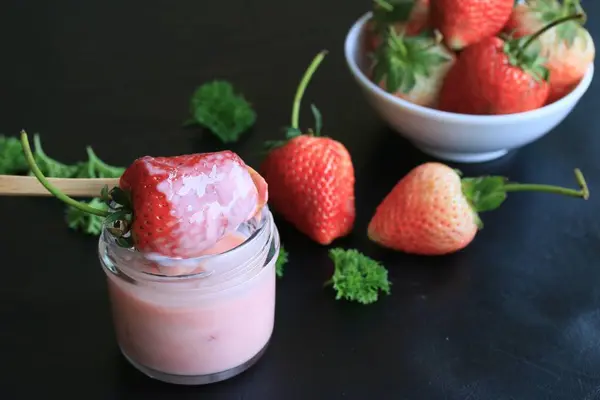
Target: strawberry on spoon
column 433, row 211
column 175, row 207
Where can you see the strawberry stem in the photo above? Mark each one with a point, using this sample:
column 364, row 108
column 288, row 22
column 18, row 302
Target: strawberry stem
column 522, row 187
column 51, row 188
column 302, row 87
column 546, row 28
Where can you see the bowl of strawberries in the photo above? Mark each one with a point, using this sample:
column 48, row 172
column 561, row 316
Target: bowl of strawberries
column 468, row 81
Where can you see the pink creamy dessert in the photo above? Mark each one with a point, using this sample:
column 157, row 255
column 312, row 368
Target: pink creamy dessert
column 193, row 331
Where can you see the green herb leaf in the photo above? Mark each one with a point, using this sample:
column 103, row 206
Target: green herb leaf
column 96, row 168
column 216, row 107
column 357, row 277
column 282, row 259
column 12, row 160
column 84, row 222
column 49, row 166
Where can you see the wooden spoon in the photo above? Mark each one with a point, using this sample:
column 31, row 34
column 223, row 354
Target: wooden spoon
column 12, row 185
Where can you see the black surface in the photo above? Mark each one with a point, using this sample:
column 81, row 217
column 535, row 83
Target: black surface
column 514, row 316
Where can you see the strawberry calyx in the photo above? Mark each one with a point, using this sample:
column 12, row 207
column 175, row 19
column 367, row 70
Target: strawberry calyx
column 401, row 59
column 387, row 12
column 294, row 130
column 551, row 10
column 119, row 220
column 487, row 193
column 525, row 52
column 119, row 215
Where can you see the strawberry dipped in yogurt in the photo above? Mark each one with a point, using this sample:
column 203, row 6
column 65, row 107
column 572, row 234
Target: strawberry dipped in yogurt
column 184, row 205
column 189, row 250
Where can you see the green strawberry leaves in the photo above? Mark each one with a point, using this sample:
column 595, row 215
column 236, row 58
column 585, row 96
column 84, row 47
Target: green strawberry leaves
column 484, row 193
column 387, row 12
column 527, row 57
column 401, row 60
column 524, row 52
column 551, row 10
column 291, row 132
column 318, row 119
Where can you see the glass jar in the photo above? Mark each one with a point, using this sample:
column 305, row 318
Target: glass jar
column 195, row 321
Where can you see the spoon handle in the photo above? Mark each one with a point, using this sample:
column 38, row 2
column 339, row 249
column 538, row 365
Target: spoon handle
column 12, row 185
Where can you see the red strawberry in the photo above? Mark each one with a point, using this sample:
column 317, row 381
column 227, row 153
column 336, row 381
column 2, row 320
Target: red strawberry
column 499, row 77
column 568, row 48
column 183, row 205
column 492, row 78
column 311, row 178
column 432, row 211
column 464, row 22
column 412, row 67
column 407, row 17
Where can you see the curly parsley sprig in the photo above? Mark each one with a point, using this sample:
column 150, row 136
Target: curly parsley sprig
column 217, row 107
column 282, row 259
column 13, row 162
column 357, row 277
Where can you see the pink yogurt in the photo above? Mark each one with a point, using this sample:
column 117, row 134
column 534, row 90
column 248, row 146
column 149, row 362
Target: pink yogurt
column 199, row 325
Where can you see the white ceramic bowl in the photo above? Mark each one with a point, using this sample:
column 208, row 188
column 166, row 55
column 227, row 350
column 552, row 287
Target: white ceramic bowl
column 457, row 137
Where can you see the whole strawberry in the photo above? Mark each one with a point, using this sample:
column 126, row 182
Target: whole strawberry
column 432, row 211
column 568, row 48
column 495, row 77
column 183, row 205
column 464, row 22
column 406, row 17
column 311, row 178
column 412, row 67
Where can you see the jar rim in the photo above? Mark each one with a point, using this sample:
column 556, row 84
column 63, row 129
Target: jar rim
column 263, row 221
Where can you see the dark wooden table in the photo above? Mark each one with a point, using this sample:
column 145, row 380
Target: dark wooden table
column 514, row 316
